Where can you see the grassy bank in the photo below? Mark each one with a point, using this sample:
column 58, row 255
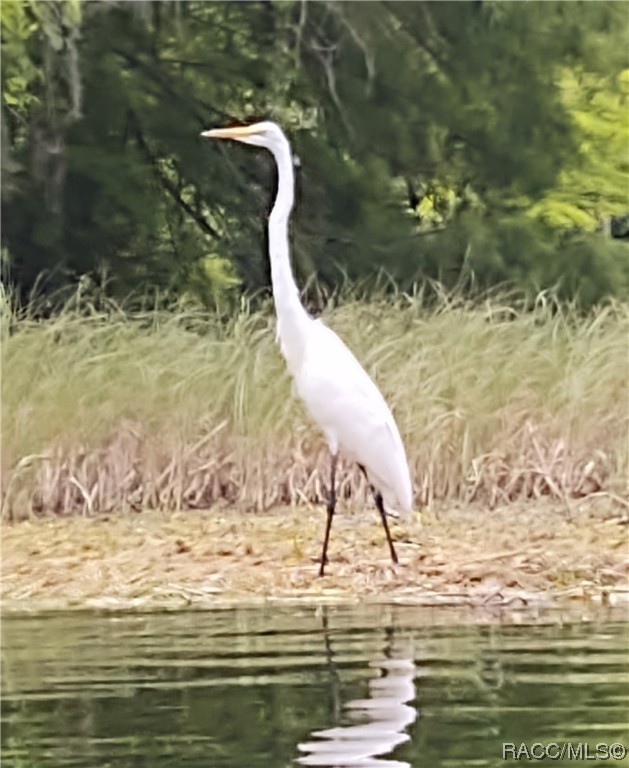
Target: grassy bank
column 103, row 412
column 169, row 560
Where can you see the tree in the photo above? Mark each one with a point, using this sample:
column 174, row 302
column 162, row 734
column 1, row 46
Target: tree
column 433, row 138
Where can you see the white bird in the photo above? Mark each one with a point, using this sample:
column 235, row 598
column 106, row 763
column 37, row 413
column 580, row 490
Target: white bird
column 337, row 392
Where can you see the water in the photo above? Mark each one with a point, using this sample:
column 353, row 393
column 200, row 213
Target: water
column 379, row 686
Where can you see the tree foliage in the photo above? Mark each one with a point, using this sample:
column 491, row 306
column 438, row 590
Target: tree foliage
column 435, row 139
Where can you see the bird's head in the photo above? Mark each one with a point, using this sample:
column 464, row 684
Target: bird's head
column 265, row 134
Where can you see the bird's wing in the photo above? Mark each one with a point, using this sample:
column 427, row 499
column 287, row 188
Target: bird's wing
column 348, row 406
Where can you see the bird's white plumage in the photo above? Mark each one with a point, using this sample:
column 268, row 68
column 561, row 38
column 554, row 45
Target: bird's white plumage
column 338, row 393
column 353, row 415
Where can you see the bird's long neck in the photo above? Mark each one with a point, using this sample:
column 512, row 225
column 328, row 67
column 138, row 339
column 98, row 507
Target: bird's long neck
column 291, row 315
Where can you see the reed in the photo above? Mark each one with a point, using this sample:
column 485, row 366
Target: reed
column 107, row 410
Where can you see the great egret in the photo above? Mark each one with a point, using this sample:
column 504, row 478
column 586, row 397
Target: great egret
column 338, row 393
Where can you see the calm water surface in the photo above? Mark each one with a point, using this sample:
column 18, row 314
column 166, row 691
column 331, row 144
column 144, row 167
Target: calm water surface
column 381, row 686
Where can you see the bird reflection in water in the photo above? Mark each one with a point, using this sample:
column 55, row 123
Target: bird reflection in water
column 380, row 720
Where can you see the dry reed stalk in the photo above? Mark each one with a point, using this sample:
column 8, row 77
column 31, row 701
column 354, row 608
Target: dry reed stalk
column 132, row 472
column 494, row 406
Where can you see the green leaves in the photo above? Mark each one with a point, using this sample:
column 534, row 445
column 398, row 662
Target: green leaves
column 593, row 184
column 20, row 74
column 434, row 139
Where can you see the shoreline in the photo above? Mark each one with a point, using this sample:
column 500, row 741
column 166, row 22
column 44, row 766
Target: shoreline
column 521, row 560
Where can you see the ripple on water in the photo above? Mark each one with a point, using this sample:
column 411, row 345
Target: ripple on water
column 381, row 686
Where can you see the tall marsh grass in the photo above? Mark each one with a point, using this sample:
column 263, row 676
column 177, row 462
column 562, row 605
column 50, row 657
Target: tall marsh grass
column 105, row 411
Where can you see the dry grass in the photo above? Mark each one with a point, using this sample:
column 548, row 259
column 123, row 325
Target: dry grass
column 528, row 557
column 107, row 412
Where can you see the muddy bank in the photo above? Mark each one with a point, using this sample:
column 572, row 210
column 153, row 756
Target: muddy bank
column 531, row 555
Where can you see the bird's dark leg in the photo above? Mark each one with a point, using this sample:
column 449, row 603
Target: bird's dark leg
column 377, row 497
column 331, row 507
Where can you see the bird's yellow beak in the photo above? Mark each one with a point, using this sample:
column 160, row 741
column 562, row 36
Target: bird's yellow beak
column 235, row 132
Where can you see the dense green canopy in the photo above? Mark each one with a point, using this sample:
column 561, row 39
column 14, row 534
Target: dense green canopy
column 436, row 140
